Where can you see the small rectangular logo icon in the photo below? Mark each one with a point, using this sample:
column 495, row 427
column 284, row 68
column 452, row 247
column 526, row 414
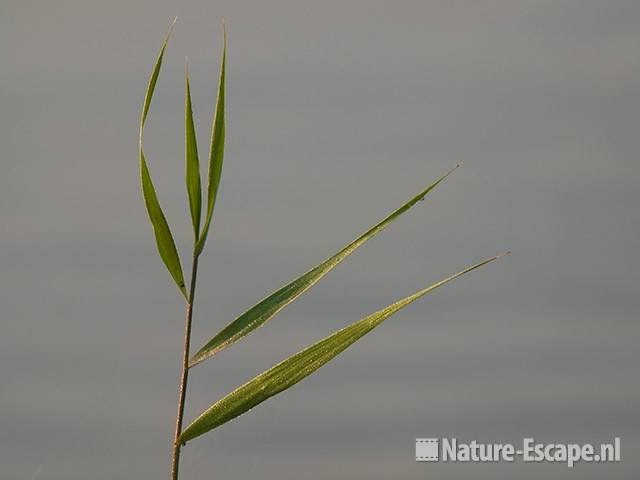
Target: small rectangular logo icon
column 426, row 449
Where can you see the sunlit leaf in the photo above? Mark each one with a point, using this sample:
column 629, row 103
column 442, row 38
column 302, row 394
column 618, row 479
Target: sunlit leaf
column 164, row 239
column 216, row 153
column 260, row 313
column 192, row 161
column 297, row 367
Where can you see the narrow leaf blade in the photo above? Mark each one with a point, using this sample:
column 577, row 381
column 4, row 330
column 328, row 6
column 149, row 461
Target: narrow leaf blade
column 192, row 161
column 297, row 367
column 266, row 309
column 164, row 239
column 216, row 153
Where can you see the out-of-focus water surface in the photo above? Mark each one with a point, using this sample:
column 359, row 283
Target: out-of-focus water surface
column 337, row 113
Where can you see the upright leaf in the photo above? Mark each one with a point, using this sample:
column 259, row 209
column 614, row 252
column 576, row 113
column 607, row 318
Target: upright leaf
column 263, row 311
column 297, row 367
column 216, row 153
column 164, row 239
column 192, row 161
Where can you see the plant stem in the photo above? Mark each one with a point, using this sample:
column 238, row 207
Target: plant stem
column 185, row 370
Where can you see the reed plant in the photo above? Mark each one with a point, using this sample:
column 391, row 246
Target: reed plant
column 293, row 369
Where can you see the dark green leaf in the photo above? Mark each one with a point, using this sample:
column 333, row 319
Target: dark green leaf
column 260, row 313
column 297, row 367
column 164, row 239
column 192, row 161
column 216, row 153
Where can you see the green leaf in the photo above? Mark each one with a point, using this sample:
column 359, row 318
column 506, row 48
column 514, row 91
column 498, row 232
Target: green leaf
column 263, row 311
column 216, row 153
column 297, row 367
column 192, row 161
column 164, row 239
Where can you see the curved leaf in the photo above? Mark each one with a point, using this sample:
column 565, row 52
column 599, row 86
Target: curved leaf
column 192, row 161
column 164, row 239
column 266, row 309
column 297, row 367
column 216, row 153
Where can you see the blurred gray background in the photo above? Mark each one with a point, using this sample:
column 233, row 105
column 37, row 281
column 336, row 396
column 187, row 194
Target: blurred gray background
column 337, row 113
